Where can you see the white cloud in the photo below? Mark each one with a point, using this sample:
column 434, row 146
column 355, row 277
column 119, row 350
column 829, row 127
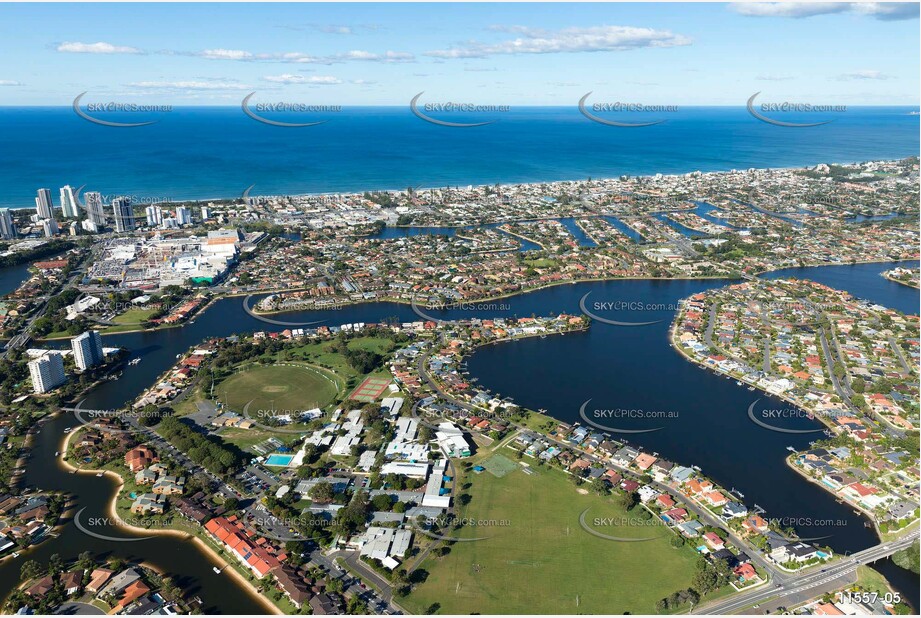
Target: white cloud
column 773, row 78
column 191, row 85
column 388, row 56
column 288, row 78
column 858, row 75
column 568, row 40
column 887, row 11
column 225, row 54
column 9, row 82
column 96, row 48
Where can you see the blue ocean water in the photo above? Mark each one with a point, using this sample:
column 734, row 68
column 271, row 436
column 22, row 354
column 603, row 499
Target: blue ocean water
column 212, row 152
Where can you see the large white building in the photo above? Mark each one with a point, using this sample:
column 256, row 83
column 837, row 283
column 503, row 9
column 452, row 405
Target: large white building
column 43, row 204
column 7, row 227
column 50, row 227
column 183, row 215
column 47, row 372
column 87, row 349
column 154, row 216
column 69, row 202
column 95, row 210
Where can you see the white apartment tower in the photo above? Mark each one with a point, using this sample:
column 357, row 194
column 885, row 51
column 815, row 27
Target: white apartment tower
column 43, row 204
column 69, row 203
column 7, row 227
column 47, row 372
column 94, row 209
column 87, row 349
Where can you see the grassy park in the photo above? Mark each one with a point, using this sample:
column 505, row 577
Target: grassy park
column 542, row 561
column 279, row 387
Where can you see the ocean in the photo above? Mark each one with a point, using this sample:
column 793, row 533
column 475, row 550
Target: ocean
column 210, row 152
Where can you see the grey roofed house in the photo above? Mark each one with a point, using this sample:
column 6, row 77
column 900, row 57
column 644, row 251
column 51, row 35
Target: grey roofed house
column 775, row 540
column 119, row 582
column 681, row 474
column 734, row 509
column 690, row 528
column 626, row 454
column 144, row 606
column 662, row 465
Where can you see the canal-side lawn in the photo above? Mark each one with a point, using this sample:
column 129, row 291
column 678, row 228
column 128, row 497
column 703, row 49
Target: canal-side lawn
column 543, row 561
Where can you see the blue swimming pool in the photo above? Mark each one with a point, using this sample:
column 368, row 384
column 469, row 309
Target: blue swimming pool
column 278, row 461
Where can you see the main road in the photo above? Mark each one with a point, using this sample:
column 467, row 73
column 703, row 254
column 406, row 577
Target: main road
column 795, row 588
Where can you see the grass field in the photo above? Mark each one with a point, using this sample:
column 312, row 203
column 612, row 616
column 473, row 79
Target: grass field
column 543, row 561
column 278, row 387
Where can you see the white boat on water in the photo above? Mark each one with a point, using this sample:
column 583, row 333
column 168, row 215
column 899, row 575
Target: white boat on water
column 216, row 570
column 100, row 474
column 56, row 453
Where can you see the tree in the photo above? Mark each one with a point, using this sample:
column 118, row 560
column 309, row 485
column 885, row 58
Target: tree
column 30, row 569
column 322, row 492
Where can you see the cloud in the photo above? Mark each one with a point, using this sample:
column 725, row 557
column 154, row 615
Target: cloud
column 302, row 58
column 886, row 11
column 389, row 56
column 567, row 40
column 773, row 78
column 363, row 82
column 96, row 48
column 191, row 85
column 860, row 75
column 9, row 82
column 288, row 78
column 225, row 54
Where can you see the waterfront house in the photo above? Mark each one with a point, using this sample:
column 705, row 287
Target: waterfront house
column 714, row 541
column 72, row 581
column 98, row 579
column 149, row 504
column 715, row 498
column 644, row 461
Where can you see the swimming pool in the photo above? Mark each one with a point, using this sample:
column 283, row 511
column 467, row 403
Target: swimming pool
column 278, row 461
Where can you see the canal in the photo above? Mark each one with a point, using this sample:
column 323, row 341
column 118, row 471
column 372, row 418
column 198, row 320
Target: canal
column 615, row 367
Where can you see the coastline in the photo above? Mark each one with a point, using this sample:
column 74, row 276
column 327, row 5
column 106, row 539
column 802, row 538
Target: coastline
column 485, row 183
column 201, row 545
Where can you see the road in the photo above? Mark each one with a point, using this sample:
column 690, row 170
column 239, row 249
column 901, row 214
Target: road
column 798, row 588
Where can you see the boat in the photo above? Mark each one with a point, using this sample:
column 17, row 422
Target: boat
column 134, row 361
column 738, row 383
column 15, row 554
column 56, row 453
column 68, row 430
column 791, row 449
column 99, row 473
column 216, row 570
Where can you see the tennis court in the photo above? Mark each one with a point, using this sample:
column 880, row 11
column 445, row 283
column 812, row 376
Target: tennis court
column 370, row 389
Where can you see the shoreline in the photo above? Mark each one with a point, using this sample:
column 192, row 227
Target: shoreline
column 825, row 421
column 212, row 555
column 519, row 182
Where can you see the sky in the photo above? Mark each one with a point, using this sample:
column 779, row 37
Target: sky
column 508, row 54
